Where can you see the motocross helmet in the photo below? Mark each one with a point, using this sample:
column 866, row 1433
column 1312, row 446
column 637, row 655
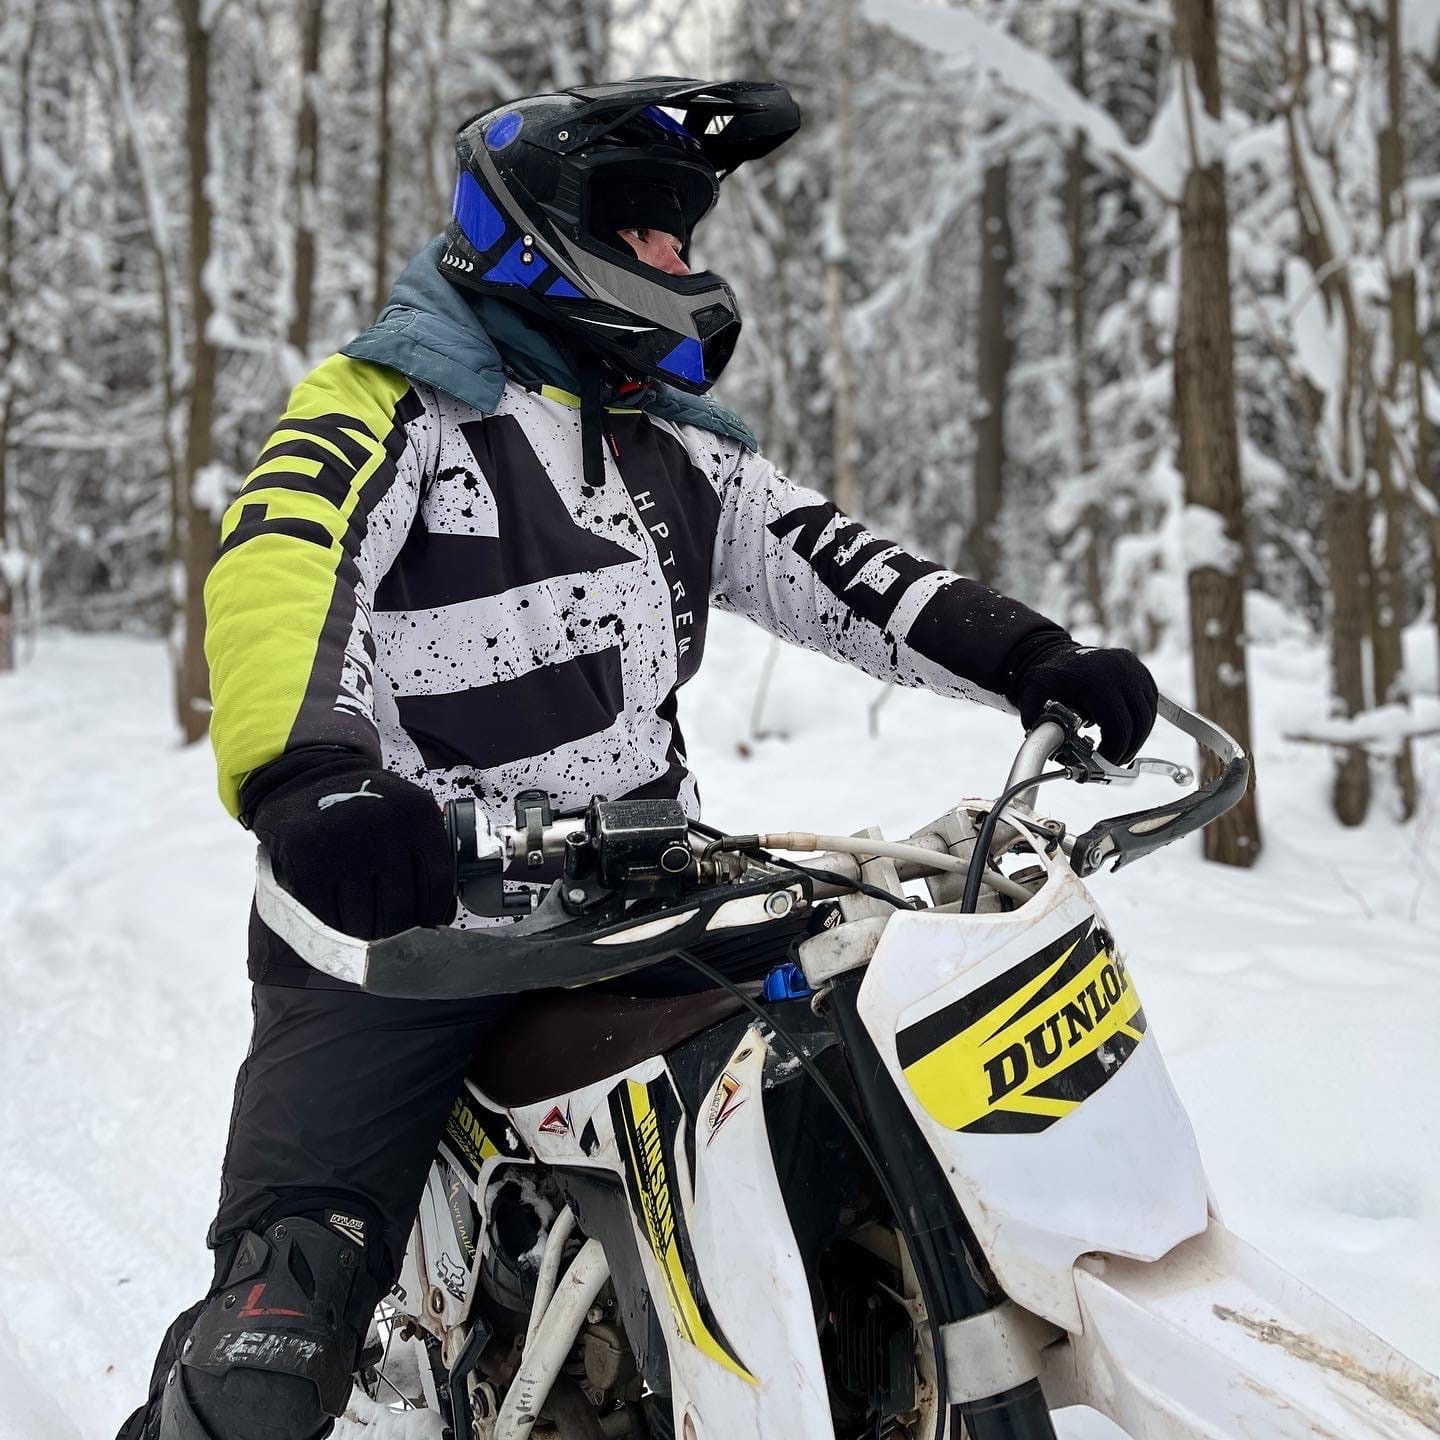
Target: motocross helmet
column 543, row 188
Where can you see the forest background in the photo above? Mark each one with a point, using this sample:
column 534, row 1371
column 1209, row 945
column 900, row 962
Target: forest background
column 1122, row 306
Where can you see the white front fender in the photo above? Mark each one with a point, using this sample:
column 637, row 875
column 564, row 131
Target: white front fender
column 1214, row 1341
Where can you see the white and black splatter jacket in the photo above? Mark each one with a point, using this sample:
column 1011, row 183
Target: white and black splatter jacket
column 435, row 585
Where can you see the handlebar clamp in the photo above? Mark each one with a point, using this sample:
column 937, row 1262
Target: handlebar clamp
column 1076, row 753
column 480, row 863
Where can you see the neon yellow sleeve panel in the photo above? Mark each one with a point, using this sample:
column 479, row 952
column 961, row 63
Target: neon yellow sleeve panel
column 282, row 598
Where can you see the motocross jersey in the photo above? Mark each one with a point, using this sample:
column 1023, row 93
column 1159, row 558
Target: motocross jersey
column 439, row 589
column 431, row 582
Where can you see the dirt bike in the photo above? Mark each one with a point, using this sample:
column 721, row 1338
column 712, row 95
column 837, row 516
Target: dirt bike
column 890, row 1168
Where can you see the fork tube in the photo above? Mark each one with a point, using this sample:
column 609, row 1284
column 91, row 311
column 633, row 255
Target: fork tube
column 955, row 1279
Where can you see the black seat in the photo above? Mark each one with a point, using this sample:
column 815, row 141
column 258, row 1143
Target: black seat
column 558, row 1040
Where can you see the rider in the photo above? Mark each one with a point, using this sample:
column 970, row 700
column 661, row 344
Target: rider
column 475, row 558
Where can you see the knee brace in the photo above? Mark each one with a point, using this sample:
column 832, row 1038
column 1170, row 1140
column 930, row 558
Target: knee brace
column 270, row 1356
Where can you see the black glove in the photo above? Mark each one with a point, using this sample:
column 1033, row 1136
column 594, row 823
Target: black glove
column 1108, row 688
column 363, row 849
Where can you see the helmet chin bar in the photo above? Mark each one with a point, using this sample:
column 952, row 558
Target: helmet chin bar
column 649, row 295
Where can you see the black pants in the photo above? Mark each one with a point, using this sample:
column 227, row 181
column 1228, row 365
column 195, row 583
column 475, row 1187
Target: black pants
column 339, row 1105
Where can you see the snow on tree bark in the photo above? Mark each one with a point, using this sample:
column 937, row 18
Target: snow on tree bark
column 1209, row 454
column 201, row 528
column 1338, row 417
column 836, row 257
column 992, row 368
column 1387, row 610
column 383, row 145
column 14, row 168
column 311, row 20
column 1076, row 217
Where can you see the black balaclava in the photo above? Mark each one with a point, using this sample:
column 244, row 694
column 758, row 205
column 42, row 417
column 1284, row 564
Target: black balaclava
column 631, row 202
column 636, row 203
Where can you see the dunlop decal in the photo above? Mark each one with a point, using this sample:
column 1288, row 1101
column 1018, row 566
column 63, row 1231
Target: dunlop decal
column 1026, row 1048
column 647, row 1119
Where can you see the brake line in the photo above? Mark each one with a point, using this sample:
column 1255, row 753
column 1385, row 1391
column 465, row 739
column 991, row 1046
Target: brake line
column 986, row 836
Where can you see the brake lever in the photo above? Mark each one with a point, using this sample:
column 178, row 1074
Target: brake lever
column 1078, row 757
column 1101, row 771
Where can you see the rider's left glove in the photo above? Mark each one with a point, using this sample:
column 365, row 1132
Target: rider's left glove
column 1109, row 688
column 363, row 849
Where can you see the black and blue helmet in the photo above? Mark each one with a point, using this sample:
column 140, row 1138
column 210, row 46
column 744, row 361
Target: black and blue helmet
column 535, row 214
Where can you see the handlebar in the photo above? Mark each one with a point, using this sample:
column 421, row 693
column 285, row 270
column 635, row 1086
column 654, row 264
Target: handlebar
column 1127, row 837
column 580, row 933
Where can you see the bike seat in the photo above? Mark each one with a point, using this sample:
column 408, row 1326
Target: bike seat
column 558, row 1040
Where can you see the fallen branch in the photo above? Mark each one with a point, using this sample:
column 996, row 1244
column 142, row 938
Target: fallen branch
column 1361, row 739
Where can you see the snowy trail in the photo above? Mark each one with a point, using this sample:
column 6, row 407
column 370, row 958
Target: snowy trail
column 1295, row 1003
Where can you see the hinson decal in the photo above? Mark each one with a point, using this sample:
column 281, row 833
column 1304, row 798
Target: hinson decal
column 1026, row 1048
column 647, row 1120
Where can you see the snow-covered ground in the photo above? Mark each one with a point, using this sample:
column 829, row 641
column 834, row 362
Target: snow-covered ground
column 1296, row 1003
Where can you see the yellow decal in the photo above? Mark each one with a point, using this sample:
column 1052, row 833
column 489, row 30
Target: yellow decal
column 467, row 1136
column 287, row 541
column 1036, row 1054
column 647, row 1164
column 571, row 401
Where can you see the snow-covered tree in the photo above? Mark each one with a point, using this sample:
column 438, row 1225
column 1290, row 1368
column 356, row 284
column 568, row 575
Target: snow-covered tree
column 963, row 285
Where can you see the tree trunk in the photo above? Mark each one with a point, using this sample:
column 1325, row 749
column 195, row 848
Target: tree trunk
column 1425, row 471
column 439, row 155
column 1209, row 443
column 1346, row 507
column 1075, row 170
column 382, row 162
column 842, row 415
column 1347, row 527
column 14, row 163
column 307, row 179
column 9, row 201
column 201, row 529
column 992, row 368
column 120, row 59
column 1388, row 597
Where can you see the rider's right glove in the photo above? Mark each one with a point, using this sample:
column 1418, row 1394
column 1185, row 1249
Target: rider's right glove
column 364, row 850
column 1109, row 688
